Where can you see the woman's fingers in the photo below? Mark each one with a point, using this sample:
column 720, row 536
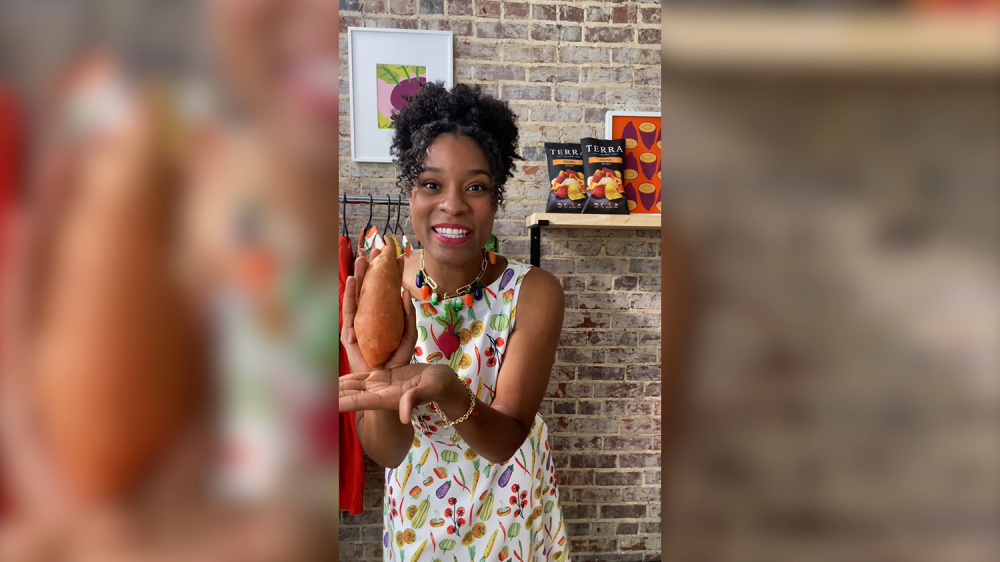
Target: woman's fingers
column 415, row 395
column 351, row 386
column 52, row 187
column 357, row 400
column 14, row 403
column 347, row 335
column 31, row 473
column 360, row 268
column 350, row 305
column 13, row 300
column 415, row 388
column 355, row 377
column 400, row 375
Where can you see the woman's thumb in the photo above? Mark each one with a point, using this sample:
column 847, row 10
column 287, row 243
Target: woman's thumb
column 410, row 400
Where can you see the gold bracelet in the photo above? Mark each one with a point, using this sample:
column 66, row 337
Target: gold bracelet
column 472, row 406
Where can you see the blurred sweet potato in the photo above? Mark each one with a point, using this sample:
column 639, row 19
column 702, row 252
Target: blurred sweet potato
column 118, row 365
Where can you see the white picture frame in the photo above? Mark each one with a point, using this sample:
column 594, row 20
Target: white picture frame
column 609, row 119
column 368, row 47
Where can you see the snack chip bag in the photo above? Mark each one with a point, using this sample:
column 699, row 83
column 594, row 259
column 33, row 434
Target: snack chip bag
column 567, row 193
column 603, row 166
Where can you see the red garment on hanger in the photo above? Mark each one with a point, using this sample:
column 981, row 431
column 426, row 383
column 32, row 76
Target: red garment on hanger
column 352, row 464
column 10, row 160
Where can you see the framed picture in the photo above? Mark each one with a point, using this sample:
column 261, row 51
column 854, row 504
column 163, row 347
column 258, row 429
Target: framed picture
column 643, row 162
column 383, row 66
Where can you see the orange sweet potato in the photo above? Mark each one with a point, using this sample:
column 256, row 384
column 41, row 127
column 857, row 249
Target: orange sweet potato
column 119, row 370
column 378, row 323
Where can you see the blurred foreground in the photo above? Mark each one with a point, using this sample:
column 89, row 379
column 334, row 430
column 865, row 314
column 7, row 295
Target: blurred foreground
column 167, row 339
column 843, row 399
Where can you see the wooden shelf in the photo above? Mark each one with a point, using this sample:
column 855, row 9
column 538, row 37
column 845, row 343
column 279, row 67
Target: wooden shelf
column 561, row 220
column 785, row 40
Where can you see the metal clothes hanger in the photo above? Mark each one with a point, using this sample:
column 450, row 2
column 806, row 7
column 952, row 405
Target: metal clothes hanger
column 388, row 216
column 371, row 209
column 343, row 220
column 398, row 230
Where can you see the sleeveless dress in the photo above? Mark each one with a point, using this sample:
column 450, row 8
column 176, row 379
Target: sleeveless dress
column 444, row 502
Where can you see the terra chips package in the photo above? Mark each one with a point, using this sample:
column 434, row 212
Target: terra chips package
column 566, row 192
column 603, row 165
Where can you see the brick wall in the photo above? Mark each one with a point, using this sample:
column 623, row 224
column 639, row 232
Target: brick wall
column 561, row 66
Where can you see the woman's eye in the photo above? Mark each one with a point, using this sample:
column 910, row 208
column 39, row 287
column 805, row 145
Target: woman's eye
column 477, row 187
column 430, row 185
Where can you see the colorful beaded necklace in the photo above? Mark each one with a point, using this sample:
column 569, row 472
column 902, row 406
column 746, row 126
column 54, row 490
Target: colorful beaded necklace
column 469, row 293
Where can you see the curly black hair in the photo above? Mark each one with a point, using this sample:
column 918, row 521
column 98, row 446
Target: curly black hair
column 465, row 111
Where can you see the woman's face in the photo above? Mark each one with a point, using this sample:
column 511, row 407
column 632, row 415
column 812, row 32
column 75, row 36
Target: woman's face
column 451, row 205
column 280, row 59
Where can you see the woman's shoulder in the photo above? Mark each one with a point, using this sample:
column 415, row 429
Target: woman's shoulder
column 537, row 285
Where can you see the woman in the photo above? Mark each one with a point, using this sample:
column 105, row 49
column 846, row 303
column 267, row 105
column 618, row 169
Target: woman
column 468, row 460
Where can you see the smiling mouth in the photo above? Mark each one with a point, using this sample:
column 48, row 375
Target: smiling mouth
column 455, row 233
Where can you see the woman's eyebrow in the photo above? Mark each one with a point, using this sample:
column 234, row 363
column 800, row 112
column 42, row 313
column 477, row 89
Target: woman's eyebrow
column 469, row 173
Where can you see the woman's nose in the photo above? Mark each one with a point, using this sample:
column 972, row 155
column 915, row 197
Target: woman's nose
column 453, row 201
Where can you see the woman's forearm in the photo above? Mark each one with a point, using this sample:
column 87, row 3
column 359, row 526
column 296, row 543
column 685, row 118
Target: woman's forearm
column 384, row 438
column 492, row 434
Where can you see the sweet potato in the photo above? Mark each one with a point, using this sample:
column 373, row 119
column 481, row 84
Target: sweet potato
column 378, row 323
column 119, row 368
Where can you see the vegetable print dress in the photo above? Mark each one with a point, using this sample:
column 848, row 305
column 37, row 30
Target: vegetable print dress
column 444, row 502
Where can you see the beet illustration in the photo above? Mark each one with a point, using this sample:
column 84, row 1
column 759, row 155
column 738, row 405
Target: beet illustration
column 448, row 342
column 405, row 88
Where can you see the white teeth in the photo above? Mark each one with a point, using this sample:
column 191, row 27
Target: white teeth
column 452, row 232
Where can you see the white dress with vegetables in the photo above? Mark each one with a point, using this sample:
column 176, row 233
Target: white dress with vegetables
column 444, row 502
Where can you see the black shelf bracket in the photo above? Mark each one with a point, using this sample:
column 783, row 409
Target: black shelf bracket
column 536, row 242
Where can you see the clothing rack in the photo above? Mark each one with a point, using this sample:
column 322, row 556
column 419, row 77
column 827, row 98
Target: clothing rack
column 374, row 200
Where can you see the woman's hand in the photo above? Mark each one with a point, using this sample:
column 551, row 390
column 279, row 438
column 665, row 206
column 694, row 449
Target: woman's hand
column 352, row 290
column 32, row 477
column 401, row 388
